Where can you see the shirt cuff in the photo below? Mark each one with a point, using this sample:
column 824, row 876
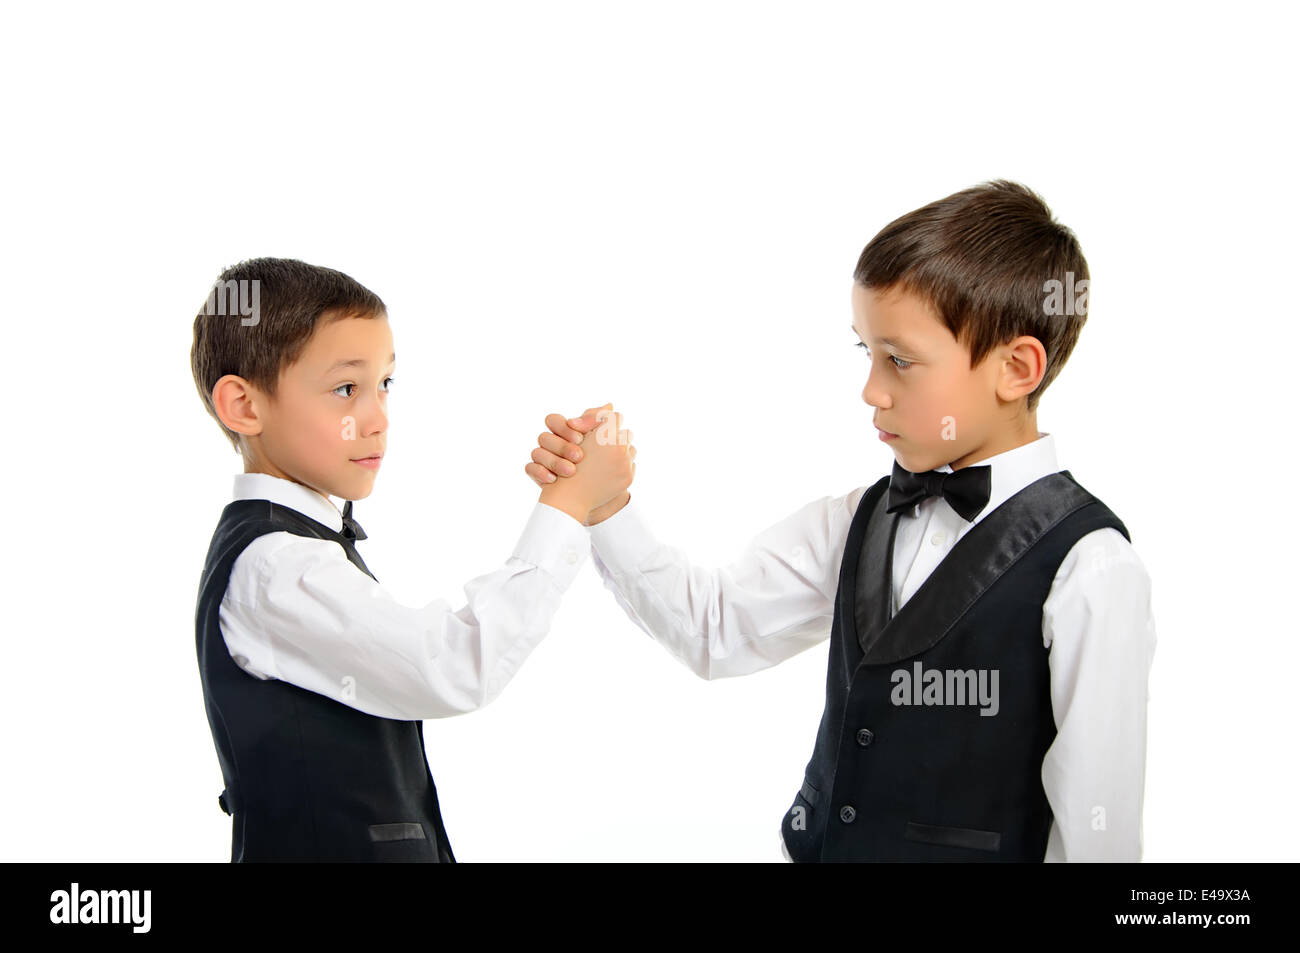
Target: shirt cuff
column 555, row 542
column 624, row 541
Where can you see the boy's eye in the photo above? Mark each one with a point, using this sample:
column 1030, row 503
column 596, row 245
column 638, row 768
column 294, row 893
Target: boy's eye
column 387, row 380
column 898, row 361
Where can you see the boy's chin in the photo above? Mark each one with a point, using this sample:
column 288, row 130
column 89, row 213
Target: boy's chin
column 914, row 464
column 356, row 488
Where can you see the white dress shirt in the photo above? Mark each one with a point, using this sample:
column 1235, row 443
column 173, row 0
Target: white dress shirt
column 297, row 610
column 777, row 599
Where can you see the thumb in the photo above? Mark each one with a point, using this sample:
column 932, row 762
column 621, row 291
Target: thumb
column 588, row 418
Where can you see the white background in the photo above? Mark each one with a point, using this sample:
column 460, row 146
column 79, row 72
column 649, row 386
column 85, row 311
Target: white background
column 658, row 205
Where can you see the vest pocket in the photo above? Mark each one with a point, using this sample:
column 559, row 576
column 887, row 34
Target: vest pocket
column 388, row 832
column 953, row 836
column 801, row 827
column 809, row 793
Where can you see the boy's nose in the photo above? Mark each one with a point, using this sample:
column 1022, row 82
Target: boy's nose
column 377, row 420
column 873, row 397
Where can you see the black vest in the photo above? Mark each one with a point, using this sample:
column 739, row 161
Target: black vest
column 307, row 778
column 892, row 778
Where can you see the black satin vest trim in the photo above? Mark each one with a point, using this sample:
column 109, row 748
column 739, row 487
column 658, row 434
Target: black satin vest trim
column 977, row 561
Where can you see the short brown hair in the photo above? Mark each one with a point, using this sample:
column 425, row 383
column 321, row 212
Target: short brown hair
column 291, row 297
column 984, row 258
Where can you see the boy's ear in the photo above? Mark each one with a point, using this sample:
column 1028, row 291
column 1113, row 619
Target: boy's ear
column 235, row 401
column 1023, row 366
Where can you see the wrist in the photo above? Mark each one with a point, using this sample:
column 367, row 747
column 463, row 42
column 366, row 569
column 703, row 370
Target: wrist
column 606, row 510
column 565, row 503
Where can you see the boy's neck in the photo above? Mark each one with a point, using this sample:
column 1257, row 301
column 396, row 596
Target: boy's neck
column 1017, row 433
column 257, row 466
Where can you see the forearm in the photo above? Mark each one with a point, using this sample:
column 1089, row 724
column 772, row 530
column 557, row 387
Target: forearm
column 770, row 604
column 333, row 630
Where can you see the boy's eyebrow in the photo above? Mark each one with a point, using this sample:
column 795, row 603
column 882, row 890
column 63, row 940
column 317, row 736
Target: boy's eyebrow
column 892, row 342
column 354, row 362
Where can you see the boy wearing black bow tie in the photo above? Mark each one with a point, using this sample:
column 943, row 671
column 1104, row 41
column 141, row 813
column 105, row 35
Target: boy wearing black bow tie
column 990, row 623
column 315, row 680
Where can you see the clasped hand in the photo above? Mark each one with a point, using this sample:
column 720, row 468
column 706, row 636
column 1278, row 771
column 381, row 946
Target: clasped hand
column 584, row 464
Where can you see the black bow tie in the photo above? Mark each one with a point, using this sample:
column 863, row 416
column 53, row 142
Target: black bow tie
column 966, row 490
column 351, row 528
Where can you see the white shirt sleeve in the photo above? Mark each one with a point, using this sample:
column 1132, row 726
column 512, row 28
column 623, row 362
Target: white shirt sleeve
column 774, row 601
column 1100, row 632
column 297, row 610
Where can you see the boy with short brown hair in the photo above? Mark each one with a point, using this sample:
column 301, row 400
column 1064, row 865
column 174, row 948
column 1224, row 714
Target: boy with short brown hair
column 990, row 623
column 315, row 680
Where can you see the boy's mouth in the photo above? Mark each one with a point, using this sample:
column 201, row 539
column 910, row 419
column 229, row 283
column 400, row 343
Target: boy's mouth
column 886, row 435
column 371, row 462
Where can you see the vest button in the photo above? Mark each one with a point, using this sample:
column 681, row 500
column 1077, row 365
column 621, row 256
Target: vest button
column 865, row 736
column 847, row 814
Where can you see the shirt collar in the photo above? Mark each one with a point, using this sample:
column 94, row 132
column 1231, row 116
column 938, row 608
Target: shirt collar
column 264, row 486
column 1015, row 469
